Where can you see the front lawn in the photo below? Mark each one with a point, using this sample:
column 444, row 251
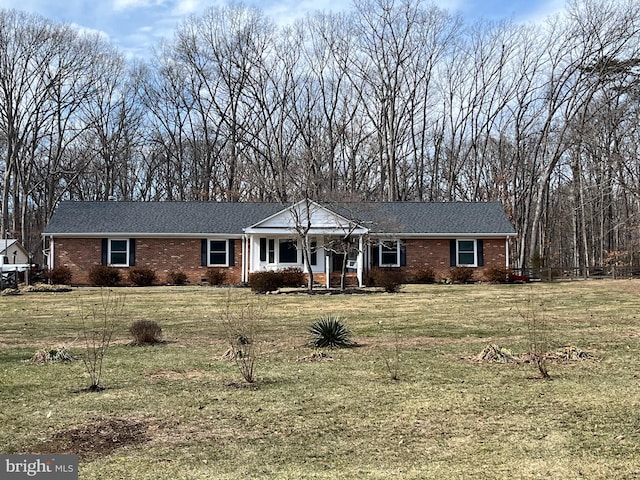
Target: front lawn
column 181, row 410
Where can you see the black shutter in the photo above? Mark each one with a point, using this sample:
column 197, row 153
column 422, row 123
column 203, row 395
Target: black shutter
column 480, row 247
column 132, row 252
column 232, row 252
column 403, row 253
column 375, row 253
column 453, row 253
column 105, row 251
column 263, row 249
column 203, row 252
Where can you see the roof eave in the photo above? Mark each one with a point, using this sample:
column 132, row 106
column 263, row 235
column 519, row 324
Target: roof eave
column 445, row 235
column 140, row 235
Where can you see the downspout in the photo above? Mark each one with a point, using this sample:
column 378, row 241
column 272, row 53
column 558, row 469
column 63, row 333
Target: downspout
column 50, row 259
column 506, row 242
column 360, row 262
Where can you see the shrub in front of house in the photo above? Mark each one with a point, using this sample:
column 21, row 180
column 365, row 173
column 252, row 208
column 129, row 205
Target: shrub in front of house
column 176, row 277
column 424, row 275
column 367, row 278
column 59, row 275
column 461, row 274
column 104, row 276
column 142, row 276
column 495, row 274
column 390, row 279
column 146, row 332
column 292, row 277
column 216, row 276
column 263, row 282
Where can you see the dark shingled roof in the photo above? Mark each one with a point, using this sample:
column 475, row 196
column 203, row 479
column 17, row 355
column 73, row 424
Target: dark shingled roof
column 231, row 218
column 435, row 217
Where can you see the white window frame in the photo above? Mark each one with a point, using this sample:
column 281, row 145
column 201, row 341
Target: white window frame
column 226, row 252
column 475, row 252
column 389, row 265
column 110, row 251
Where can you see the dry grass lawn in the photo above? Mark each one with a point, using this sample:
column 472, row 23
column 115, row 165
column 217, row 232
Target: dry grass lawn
column 181, row 410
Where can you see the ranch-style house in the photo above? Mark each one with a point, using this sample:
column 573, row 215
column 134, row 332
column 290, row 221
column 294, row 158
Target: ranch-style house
column 247, row 237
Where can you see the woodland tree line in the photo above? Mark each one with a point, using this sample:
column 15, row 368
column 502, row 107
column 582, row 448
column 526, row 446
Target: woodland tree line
column 396, row 100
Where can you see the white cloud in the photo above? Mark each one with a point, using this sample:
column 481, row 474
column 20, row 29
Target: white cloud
column 186, row 7
column 120, row 5
column 90, row 31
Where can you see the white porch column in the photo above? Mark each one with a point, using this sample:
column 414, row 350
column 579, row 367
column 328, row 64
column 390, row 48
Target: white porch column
column 506, row 242
column 327, row 270
column 360, row 261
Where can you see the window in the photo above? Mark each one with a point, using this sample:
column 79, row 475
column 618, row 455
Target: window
column 313, row 246
column 272, row 251
column 467, row 253
column 288, row 250
column 283, row 250
column 218, row 253
column 389, row 254
column 119, row 252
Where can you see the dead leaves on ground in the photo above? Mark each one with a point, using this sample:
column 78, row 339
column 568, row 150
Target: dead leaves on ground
column 493, row 353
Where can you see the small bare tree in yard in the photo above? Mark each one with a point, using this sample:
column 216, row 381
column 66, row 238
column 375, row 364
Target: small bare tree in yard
column 240, row 322
column 392, row 356
column 99, row 322
column 536, row 324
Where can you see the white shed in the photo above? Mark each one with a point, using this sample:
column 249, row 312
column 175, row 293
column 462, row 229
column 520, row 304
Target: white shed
column 13, row 251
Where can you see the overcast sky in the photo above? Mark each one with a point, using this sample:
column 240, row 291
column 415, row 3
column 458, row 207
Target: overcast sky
column 135, row 25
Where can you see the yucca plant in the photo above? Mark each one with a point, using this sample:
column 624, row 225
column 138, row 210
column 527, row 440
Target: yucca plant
column 330, row 332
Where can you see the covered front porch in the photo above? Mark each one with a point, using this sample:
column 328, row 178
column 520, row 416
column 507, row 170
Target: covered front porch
column 310, row 237
column 323, row 257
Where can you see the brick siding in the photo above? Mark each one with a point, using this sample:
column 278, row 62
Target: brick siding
column 166, row 254
column 435, row 254
column 159, row 254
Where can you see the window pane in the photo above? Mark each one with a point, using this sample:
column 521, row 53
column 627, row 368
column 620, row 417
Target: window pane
column 466, row 258
column 466, row 246
column 389, row 258
column 263, row 249
column 218, row 258
column 288, row 251
column 218, row 245
column 118, row 258
column 118, row 245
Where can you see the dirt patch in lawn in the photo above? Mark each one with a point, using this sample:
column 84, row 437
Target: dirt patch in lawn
column 316, row 357
column 98, row 437
column 176, row 375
